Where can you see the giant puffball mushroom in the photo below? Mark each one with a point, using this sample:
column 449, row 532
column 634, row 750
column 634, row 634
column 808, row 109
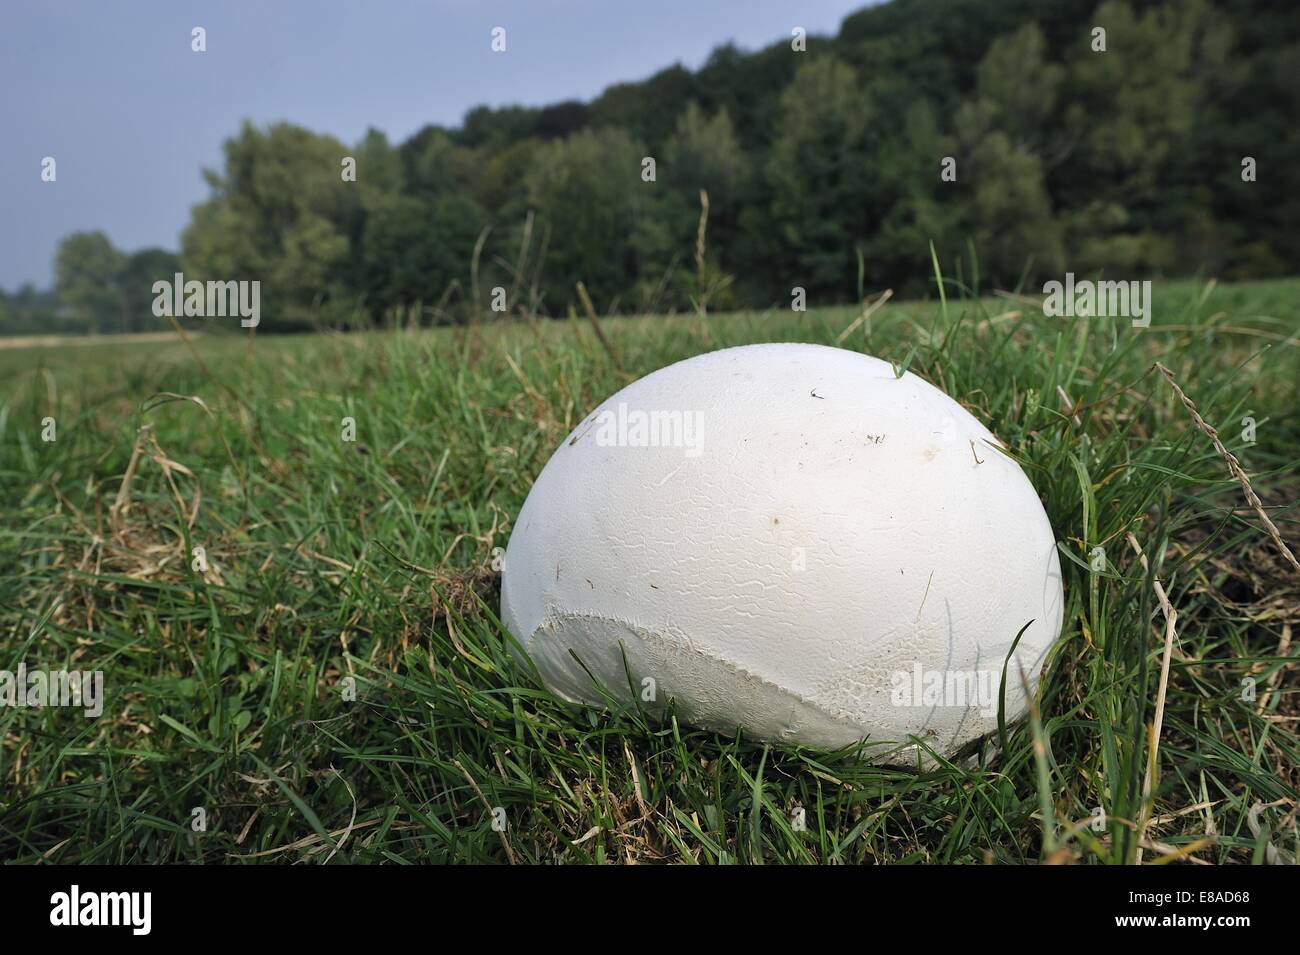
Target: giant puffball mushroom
column 793, row 541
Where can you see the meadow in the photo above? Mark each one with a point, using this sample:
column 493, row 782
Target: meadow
column 303, row 660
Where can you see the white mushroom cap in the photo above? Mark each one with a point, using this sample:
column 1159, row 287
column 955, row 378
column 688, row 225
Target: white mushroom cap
column 813, row 549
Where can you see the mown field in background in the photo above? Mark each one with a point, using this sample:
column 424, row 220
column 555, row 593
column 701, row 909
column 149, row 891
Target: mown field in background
column 372, row 559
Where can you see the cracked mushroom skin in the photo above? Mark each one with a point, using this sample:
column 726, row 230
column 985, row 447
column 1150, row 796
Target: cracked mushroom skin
column 793, row 541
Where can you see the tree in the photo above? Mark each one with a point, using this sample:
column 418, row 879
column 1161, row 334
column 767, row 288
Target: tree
column 590, row 197
column 88, row 278
column 1017, row 90
column 1010, row 214
column 910, row 205
column 138, row 274
column 817, row 175
column 277, row 215
column 415, row 247
column 703, row 154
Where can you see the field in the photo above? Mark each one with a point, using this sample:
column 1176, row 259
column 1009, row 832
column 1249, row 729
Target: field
column 329, row 681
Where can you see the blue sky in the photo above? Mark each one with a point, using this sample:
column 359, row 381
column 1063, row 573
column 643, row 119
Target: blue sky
column 111, row 89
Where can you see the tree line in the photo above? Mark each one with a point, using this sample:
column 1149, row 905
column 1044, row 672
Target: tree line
column 1015, row 136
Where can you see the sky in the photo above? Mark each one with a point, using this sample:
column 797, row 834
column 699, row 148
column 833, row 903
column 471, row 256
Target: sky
column 113, row 92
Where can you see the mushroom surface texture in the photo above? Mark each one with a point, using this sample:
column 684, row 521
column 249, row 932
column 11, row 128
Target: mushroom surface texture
column 793, row 541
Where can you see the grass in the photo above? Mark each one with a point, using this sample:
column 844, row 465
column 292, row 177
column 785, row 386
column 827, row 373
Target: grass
column 334, row 566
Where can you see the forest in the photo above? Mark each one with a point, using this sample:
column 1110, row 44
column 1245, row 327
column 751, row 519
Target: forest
column 1022, row 138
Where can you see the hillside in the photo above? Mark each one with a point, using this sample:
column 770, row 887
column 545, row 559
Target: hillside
column 1172, row 151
